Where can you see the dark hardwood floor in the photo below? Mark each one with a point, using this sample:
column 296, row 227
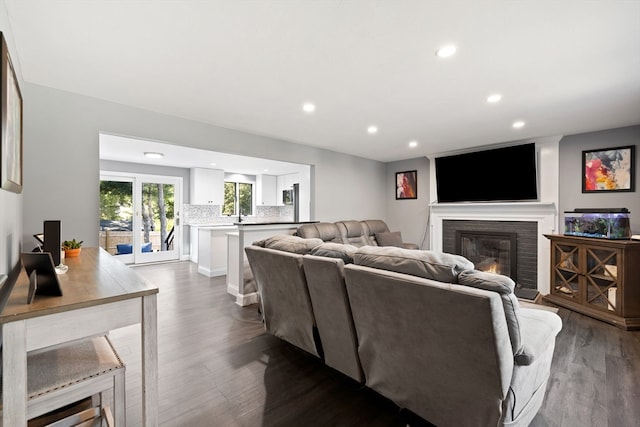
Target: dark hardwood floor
column 217, row 367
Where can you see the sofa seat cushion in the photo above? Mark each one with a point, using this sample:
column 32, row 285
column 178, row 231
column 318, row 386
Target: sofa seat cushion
column 439, row 266
column 335, row 250
column 389, row 238
column 504, row 286
column 289, row 243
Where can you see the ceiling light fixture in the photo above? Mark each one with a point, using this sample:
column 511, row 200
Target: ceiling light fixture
column 308, row 107
column 212, row 164
column 153, row 155
column 372, row 129
column 518, row 124
column 492, row 99
column 446, row 51
column 413, row 144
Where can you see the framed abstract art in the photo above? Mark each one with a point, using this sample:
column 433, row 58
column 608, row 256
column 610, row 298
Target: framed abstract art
column 608, row 169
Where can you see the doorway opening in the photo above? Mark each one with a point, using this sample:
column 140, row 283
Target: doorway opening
column 140, row 217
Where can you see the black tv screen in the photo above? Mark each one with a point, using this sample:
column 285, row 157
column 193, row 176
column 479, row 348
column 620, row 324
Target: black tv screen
column 497, row 175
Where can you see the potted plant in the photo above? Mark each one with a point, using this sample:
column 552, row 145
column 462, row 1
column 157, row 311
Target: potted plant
column 71, row 248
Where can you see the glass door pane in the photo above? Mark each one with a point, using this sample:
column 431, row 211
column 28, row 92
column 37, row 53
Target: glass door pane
column 158, row 221
column 139, row 217
column 116, row 217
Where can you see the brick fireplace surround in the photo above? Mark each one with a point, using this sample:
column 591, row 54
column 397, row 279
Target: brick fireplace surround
column 543, row 215
column 524, row 250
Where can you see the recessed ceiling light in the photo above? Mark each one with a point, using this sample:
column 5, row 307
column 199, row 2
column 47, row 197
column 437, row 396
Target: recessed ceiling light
column 446, row 51
column 493, row 98
column 308, row 107
column 152, row 155
column 413, row 144
column 518, row 124
column 212, row 164
column 265, row 170
column 372, row 129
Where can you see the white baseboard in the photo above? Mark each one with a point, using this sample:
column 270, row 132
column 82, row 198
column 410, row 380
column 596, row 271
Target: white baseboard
column 212, row 272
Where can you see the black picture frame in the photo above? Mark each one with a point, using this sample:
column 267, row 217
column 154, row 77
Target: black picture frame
column 11, row 124
column 43, row 279
column 406, row 185
column 608, row 170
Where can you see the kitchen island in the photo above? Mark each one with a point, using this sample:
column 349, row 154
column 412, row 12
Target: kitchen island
column 212, row 249
column 240, row 281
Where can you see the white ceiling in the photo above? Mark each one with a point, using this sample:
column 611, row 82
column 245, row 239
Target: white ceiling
column 563, row 67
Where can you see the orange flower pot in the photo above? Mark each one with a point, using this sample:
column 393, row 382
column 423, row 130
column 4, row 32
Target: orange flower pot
column 70, row 253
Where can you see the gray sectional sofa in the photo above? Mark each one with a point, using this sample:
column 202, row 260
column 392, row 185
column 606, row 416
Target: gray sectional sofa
column 424, row 329
column 370, row 232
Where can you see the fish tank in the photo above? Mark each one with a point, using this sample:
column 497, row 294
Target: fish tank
column 603, row 224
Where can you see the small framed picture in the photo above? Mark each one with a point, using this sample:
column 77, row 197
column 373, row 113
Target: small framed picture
column 608, row 169
column 407, row 185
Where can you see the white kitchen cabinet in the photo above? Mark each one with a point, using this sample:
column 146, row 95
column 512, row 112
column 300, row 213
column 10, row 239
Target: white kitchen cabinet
column 207, row 186
column 266, row 194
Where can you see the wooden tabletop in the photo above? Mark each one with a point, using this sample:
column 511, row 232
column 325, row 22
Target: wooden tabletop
column 94, row 278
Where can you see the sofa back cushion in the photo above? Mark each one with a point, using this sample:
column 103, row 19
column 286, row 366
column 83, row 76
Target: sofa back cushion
column 307, row 231
column 504, row 286
column 335, row 250
column 288, row 243
column 373, row 226
column 325, row 279
column 327, row 231
column 284, row 296
column 439, row 266
column 440, row 350
column 352, row 233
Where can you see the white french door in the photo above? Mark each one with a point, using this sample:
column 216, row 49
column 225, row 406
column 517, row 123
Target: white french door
column 139, row 217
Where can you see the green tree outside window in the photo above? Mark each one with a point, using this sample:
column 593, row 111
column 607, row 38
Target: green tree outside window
column 238, row 193
column 229, row 207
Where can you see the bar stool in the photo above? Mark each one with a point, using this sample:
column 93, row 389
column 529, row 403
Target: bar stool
column 74, row 371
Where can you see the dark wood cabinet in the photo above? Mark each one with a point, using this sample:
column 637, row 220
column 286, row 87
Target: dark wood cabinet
column 597, row 277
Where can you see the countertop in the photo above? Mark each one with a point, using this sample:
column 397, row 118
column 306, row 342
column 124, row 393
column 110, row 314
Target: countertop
column 215, row 226
column 274, row 222
column 219, row 224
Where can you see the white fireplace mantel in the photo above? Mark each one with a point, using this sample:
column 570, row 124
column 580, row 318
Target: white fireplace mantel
column 544, row 214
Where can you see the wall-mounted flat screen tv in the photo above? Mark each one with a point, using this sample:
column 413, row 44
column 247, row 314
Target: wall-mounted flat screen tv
column 496, row 175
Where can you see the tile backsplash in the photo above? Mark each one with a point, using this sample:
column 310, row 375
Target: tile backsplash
column 211, row 214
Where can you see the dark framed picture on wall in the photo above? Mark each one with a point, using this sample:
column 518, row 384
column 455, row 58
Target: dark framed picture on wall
column 608, row 169
column 11, row 130
column 407, row 185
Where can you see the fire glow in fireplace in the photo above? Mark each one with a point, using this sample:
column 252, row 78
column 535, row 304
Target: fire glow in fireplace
column 489, row 251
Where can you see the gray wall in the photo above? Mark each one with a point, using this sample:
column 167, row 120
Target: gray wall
column 409, row 216
column 62, row 167
column 571, row 195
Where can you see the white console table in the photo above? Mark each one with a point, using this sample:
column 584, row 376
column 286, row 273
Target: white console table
column 100, row 294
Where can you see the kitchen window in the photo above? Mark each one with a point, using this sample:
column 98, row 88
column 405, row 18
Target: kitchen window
column 238, row 195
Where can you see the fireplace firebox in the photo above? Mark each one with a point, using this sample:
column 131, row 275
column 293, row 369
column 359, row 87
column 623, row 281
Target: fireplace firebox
column 520, row 238
column 490, row 251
